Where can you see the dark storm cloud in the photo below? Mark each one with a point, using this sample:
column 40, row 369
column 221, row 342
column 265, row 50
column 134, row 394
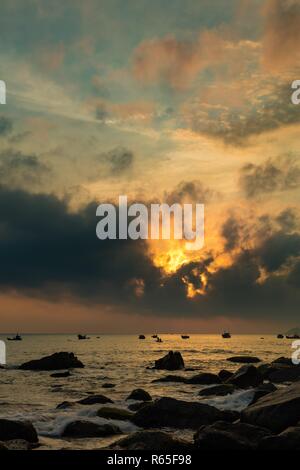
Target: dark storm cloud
column 279, row 174
column 231, row 233
column 287, row 219
column 48, row 251
column 5, row 126
column 118, row 160
column 189, row 191
column 20, row 170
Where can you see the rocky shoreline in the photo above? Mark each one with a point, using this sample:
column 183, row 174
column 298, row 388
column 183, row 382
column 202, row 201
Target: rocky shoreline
column 271, row 421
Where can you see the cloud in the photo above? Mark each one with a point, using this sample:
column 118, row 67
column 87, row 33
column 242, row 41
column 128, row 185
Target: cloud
column 281, row 174
column 189, row 192
column 5, row 126
column 281, row 35
column 119, row 160
column 18, row 170
column 231, row 232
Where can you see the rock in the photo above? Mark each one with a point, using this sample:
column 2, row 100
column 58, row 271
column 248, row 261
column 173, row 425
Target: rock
column 277, row 410
column 108, row 385
column 61, row 374
column 138, row 405
column 94, row 399
column 246, row 376
column 10, row 430
column 265, row 370
column 3, row 446
column 217, row 390
column 244, row 359
column 65, row 404
column 225, row 375
column 114, row 413
column 169, row 412
column 262, row 391
column 83, row 428
column 61, row 360
column 205, row 378
column 287, row 440
column 222, row 436
column 19, row 444
column 171, row 378
column 286, row 374
column 152, row 440
column 172, row 361
column 286, row 361
column 140, row 395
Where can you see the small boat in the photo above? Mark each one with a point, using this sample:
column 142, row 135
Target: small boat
column 280, row 336
column 142, row 337
column 292, row 337
column 185, row 336
column 16, row 338
column 158, row 339
column 154, row 336
column 226, row 334
column 82, row 337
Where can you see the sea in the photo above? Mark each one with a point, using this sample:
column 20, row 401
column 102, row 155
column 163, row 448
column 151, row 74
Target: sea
column 124, row 361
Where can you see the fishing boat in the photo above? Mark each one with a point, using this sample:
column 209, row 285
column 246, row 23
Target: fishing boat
column 82, row 337
column 226, row 334
column 16, row 338
column 154, row 336
column 142, row 337
column 292, row 337
column 280, row 336
column 185, row 336
column 158, row 339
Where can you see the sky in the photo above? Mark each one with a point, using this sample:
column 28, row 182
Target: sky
column 181, row 102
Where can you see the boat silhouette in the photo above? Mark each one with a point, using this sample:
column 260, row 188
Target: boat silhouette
column 185, row 336
column 16, row 338
column 226, row 334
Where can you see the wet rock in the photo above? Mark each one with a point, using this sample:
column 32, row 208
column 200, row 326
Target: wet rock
column 114, row 413
column 286, row 361
column 222, row 436
column 19, row 444
column 108, row 385
column 3, row 446
column 94, row 399
column 218, row 390
column 171, row 378
column 246, row 376
column 277, row 410
column 60, row 374
column 140, row 395
column 265, row 370
column 225, row 375
column 60, row 360
column 205, row 378
column 138, row 405
column 244, row 359
column 65, row 404
column 172, row 361
column 169, row 412
column 152, row 440
column 10, row 430
column 286, row 374
column 287, row 440
column 262, row 391
column 84, row 428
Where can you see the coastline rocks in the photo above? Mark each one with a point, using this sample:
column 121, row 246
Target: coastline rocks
column 60, row 360
column 152, row 440
column 244, row 359
column 138, row 405
column 65, row 404
column 285, row 374
column 114, row 413
column 225, row 375
column 83, row 428
column 276, row 411
column 169, row 412
column 227, row 436
column 246, row 376
column 94, row 399
column 218, row 390
column 58, row 375
column 172, row 361
column 261, row 391
column 287, row 440
column 140, row 395
column 11, row 430
column 205, row 378
column 17, row 444
column 171, row 378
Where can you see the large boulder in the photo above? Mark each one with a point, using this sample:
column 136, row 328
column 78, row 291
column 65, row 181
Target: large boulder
column 205, row 378
column 94, row 399
column 57, row 361
column 171, row 378
column 11, row 430
column 245, row 377
column 218, row 390
column 138, row 405
column 222, row 436
column 172, row 361
column 84, row 428
column 244, row 359
column 285, row 374
column 262, row 391
column 169, row 412
column 287, row 440
column 140, row 395
column 152, row 440
column 114, row 413
column 225, row 375
column 276, row 411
